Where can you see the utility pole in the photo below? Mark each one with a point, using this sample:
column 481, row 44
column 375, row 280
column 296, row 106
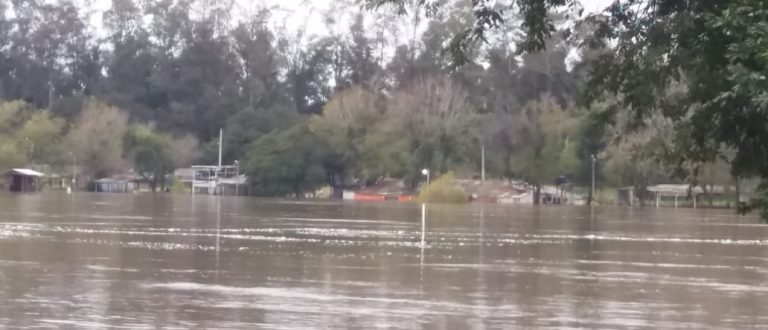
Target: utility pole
column 74, row 170
column 50, row 94
column 482, row 161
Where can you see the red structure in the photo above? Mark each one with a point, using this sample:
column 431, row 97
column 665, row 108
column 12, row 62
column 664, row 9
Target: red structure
column 384, row 190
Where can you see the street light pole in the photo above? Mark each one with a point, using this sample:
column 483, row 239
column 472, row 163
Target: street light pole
column 425, row 172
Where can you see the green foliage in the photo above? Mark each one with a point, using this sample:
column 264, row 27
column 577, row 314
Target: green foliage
column 442, row 190
column 682, row 89
column 248, row 125
column 436, row 123
column 28, row 136
column 10, row 115
column 41, row 137
column 151, row 153
column 285, row 163
column 345, row 125
column 178, row 187
column 551, row 149
column 96, row 139
column 711, row 84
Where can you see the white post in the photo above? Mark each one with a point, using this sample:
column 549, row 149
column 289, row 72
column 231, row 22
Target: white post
column 221, row 134
column 675, row 201
column 482, row 171
column 74, row 174
column 423, row 240
column 594, row 160
column 694, row 200
column 657, row 200
column 423, row 224
column 218, row 169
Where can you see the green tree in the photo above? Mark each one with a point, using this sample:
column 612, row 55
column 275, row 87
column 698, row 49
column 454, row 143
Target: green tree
column 551, row 144
column 633, row 158
column 151, row 154
column 96, row 139
column 345, row 123
column 437, row 122
column 29, row 136
column 716, row 50
column 41, row 137
column 11, row 151
column 285, row 163
column 248, row 125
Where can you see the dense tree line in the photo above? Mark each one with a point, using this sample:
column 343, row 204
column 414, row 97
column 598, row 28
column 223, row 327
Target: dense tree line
column 696, row 68
column 362, row 102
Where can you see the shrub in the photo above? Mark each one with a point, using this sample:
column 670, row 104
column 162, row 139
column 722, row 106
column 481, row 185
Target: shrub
column 178, row 187
column 442, row 190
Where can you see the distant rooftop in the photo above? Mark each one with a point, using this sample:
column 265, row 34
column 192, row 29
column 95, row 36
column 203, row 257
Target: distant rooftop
column 24, row 171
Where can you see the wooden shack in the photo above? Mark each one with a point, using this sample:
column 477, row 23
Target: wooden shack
column 22, row 179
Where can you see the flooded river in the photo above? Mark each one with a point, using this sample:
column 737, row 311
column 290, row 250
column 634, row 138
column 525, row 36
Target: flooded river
column 144, row 261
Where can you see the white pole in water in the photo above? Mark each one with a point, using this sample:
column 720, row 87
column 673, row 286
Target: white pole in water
column 695, row 197
column 74, row 173
column 482, row 171
column 423, row 241
column 423, row 224
column 592, row 197
column 221, row 134
column 218, row 169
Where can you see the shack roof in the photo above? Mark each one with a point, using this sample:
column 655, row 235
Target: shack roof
column 24, row 172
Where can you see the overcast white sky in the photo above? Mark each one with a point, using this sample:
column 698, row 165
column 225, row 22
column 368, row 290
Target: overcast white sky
column 299, row 11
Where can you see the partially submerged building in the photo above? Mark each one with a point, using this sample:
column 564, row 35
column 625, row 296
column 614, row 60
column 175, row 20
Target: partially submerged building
column 213, row 180
column 116, row 184
column 22, row 179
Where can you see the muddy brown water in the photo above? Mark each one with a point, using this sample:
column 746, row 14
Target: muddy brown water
column 163, row 261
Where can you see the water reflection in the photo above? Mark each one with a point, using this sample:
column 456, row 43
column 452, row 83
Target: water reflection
column 179, row 261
